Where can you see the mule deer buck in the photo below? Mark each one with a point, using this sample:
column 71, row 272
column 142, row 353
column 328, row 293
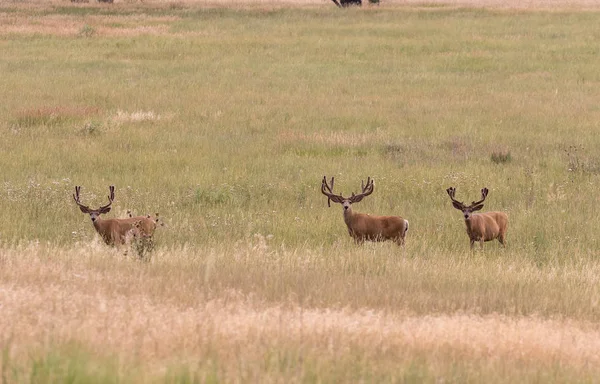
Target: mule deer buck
column 481, row 226
column 120, row 231
column 362, row 226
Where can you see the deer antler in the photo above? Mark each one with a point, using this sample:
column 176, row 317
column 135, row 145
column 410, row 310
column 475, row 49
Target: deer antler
column 457, row 204
column 451, row 191
column 111, row 197
column 328, row 191
column 484, row 192
column 84, row 208
column 366, row 190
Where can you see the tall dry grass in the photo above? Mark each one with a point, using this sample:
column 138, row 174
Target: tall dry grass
column 234, row 315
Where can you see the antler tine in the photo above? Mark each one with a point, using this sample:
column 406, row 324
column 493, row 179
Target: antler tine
column 76, row 194
column 451, row 191
column 330, row 190
column 325, row 186
column 367, row 187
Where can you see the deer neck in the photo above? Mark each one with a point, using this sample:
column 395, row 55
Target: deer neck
column 100, row 224
column 348, row 216
column 470, row 222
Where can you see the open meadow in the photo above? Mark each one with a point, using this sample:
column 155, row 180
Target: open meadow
column 224, row 118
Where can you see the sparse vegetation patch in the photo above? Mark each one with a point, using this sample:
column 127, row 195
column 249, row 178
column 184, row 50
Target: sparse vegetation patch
column 500, row 157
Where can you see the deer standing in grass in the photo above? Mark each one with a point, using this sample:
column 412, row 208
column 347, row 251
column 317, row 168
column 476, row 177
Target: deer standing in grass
column 481, row 226
column 362, row 226
column 118, row 231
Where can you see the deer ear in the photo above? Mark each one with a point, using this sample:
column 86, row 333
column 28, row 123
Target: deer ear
column 457, row 205
column 83, row 209
column 477, row 208
column 105, row 210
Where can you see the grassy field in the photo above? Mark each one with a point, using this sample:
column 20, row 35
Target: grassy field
column 225, row 119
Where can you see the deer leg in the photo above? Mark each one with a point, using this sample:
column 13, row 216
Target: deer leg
column 119, row 243
column 108, row 238
column 501, row 240
column 400, row 241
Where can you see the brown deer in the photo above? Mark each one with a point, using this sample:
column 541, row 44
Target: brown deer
column 481, row 226
column 118, row 231
column 362, row 226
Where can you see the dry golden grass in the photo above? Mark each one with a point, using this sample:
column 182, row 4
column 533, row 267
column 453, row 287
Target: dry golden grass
column 71, row 25
column 45, row 114
column 345, row 139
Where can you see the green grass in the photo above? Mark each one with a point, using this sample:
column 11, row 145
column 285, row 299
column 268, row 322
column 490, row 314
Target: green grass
column 225, row 120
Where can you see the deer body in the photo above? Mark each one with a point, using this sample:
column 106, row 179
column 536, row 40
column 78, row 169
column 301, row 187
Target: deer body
column 118, row 231
column 487, row 226
column 481, row 227
column 362, row 226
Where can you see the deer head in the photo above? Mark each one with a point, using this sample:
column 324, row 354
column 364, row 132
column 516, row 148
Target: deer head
column 94, row 213
column 346, row 202
column 467, row 210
